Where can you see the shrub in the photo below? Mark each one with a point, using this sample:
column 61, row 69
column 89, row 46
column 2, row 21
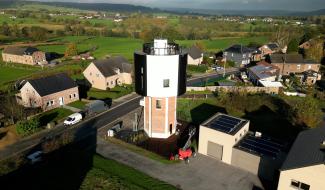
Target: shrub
column 27, row 127
column 197, row 69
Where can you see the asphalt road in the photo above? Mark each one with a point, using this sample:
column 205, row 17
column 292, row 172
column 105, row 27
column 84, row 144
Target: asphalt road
column 80, row 130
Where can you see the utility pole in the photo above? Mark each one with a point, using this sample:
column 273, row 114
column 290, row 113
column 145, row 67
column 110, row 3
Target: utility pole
column 224, row 65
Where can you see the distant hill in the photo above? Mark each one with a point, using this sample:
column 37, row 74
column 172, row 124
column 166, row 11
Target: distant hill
column 248, row 12
column 83, row 6
column 134, row 8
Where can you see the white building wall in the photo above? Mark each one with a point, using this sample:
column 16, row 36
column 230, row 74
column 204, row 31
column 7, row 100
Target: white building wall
column 312, row 175
column 158, row 69
column 226, row 140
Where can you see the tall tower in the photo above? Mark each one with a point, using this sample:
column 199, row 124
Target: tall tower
column 160, row 76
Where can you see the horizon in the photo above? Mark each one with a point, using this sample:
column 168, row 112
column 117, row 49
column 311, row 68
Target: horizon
column 232, row 5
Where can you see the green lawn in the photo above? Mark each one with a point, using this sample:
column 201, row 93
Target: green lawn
column 78, row 104
column 12, row 73
column 140, row 151
column 55, row 115
column 222, row 43
column 103, row 46
column 113, row 93
column 109, row 174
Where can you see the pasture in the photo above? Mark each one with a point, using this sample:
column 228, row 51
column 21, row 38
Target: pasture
column 223, row 43
column 100, row 46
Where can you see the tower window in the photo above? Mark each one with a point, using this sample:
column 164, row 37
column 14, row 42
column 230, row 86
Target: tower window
column 166, row 83
column 158, row 104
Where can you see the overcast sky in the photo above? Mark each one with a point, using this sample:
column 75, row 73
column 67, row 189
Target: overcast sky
column 220, row 4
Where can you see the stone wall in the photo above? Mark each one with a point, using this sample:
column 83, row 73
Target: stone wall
column 248, row 89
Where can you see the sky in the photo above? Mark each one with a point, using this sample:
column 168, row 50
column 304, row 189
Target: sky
column 292, row 5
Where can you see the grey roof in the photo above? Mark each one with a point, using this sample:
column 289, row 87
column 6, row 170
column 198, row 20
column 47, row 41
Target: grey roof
column 195, row 52
column 107, row 66
column 52, row 84
column 273, row 46
column 20, row 50
column 237, row 48
column 289, row 58
column 306, row 150
column 262, row 71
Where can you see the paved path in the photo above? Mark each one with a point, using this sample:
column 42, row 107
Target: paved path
column 203, row 173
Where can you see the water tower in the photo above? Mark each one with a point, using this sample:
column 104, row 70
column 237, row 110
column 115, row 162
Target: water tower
column 160, row 76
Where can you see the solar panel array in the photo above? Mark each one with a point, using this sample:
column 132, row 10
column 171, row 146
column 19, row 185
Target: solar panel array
column 225, row 123
column 260, row 145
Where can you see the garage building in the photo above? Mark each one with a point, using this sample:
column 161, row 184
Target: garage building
column 228, row 139
column 219, row 134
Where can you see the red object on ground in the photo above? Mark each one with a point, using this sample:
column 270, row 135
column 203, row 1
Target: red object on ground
column 183, row 154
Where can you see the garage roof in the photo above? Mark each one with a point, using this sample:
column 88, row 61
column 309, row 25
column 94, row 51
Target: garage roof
column 225, row 123
column 262, row 146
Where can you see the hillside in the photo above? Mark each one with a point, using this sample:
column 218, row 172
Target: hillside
column 82, row 6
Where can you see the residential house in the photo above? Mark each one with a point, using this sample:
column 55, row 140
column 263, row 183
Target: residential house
column 108, row 73
column 195, row 56
column 240, row 54
column 309, row 77
column 292, row 63
column 263, row 71
column 24, row 55
column 304, row 166
column 48, row 92
column 269, row 48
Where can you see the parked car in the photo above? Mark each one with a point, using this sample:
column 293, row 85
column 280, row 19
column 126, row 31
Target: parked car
column 35, row 157
column 73, row 119
column 96, row 107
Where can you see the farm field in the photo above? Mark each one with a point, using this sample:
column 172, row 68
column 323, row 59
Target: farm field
column 126, row 46
column 103, row 45
column 11, row 74
column 222, row 43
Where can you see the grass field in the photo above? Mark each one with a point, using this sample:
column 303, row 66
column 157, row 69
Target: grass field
column 109, row 174
column 12, row 73
column 113, row 93
column 126, row 46
column 140, row 151
column 222, row 43
column 103, row 46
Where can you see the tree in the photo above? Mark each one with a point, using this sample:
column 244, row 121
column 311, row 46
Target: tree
column 71, row 50
column 307, row 112
column 5, row 29
column 38, row 33
column 293, row 45
column 315, row 51
column 200, row 45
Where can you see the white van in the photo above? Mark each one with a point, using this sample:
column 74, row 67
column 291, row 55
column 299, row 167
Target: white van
column 73, row 119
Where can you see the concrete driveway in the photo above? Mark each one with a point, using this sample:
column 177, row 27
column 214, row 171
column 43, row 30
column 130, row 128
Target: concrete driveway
column 202, row 173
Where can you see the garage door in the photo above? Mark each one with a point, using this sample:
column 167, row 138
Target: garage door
column 215, row 150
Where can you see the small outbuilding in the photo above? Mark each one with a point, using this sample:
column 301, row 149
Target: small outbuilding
column 219, row 134
column 228, row 139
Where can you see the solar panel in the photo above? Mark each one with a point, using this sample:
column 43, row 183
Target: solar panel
column 225, row 123
column 260, row 145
